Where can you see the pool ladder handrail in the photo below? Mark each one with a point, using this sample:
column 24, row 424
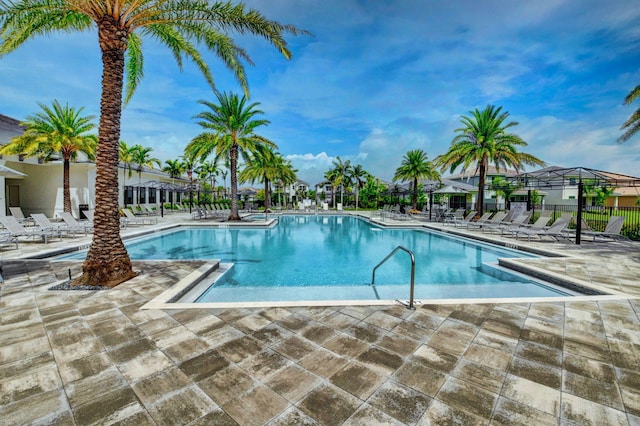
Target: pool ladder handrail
column 410, row 304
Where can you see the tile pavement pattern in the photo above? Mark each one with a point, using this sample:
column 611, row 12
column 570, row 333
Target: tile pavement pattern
column 85, row 358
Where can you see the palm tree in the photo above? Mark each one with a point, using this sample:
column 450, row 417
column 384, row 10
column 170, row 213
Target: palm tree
column 632, row 125
column 357, row 173
column 483, row 139
column 56, row 130
column 208, row 170
column 182, row 26
column 141, row 156
column 230, row 126
column 259, row 167
column 124, row 155
column 415, row 166
column 340, row 174
column 188, row 165
column 174, row 169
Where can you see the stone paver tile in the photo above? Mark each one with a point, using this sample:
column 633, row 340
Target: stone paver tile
column 629, row 382
column 204, row 325
column 275, row 314
column 541, row 338
column 467, row 397
column 472, row 314
column 251, row 323
column 221, row 335
column 318, row 333
column 340, row 321
column 487, row 378
column 346, row 346
column 92, row 387
column 131, row 350
column 506, row 323
column 536, row 372
column 316, row 404
column 322, row 362
column 23, row 349
column 589, row 368
column 293, row 382
column 624, row 354
column 146, row 364
column 119, row 337
column 272, row 334
column 295, row 348
column 512, row 413
column 293, row 417
column 415, row 374
column 317, row 313
column 182, row 406
column 547, row 311
column 264, row 364
column 539, row 353
column 180, row 352
column 232, row 315
column 398, row 344
column 400, row 402
column 380, row 360
column 294, row 322
column 453, row 337
column 359, row 312
column 413, row 331
column 76, row 369
column 240, row 349
column 441, row 414
column 217, row 418
column 150, row 389
column 32, row 376
column 436, row 358
column 158, row 325
column 588, row 346
column 204, row 365
column 109, row 408
column 592, row 390
column 582, row 411
column 43, row 408
column 172, row 336
column 357, row 379
column 227, row 384
column 382, row 320
column 492, row 358
column 365, row 332
column 368, row 415
column 426, row 320
column 533, row 394
column 496, row 340
column 257, row 407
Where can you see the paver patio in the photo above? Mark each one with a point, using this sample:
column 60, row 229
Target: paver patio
column 79, row 357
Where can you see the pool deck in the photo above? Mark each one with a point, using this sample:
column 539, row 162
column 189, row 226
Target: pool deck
column 79, row 357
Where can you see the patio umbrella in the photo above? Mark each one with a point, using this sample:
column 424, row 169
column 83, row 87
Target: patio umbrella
column 10, row 173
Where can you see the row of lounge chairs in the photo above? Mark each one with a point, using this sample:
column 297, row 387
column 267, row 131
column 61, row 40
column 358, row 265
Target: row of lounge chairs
column 210, row 211
column 519, row 226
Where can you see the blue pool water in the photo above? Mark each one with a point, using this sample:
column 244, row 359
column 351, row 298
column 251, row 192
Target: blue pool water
column 332, row 257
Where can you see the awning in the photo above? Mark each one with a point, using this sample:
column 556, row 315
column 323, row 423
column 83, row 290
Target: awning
column 10, row 173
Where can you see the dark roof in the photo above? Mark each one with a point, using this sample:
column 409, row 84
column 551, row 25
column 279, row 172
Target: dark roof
column 9, row 128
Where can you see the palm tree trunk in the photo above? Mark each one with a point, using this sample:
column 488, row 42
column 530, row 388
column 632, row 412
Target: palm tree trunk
column 66, row 195
column 267, row 198
column 483, row 172
column 233, row 164
column 108, row 262
column 415, row 194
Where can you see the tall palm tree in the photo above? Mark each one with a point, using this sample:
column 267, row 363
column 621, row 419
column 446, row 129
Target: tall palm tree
column 141, row 156
column 182, row 26
column 189, row 163
column 341, row 175
column 124, row 155
column 632, row 125
column 483, row 139
column 285, row 173
column 415, row 166
column 56, row 130
column 358, row 175
column 260, row 167
column 230, row 130
column 174, row 169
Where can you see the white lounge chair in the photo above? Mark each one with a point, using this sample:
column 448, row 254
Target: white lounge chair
column 19, row 215
column 15, row 229
column 71, row 221
column 612, row 231
column 480, row 222
column 44, row 223
column 555, row 231
column 131, row 219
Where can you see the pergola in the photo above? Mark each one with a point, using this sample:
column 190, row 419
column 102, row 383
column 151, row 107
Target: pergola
column 559, row 177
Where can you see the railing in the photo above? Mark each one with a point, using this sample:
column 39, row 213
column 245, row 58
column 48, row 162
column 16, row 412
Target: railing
column 410, row 303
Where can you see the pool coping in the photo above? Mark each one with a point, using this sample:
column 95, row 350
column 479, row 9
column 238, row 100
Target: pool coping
column 170, row 299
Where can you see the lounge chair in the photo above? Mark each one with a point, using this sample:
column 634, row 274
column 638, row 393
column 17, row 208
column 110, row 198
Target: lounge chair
column 497, row 218
column 555, row 231
column 71, row 221
column 131, row 219
column 61, row 228
column 506, row 224
column 612, row 231
column 454, row 217
column 7, row 238
column 16, row 229
column 19, row 215
column 481, row 220
column 463, row 220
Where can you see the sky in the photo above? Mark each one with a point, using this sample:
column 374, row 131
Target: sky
column 379, row 78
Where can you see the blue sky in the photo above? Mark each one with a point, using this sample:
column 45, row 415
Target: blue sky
column 379, row 78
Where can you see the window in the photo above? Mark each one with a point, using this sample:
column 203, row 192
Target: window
column 128, row 195
column 572, row 181
column 152, row 196
column 142, row 196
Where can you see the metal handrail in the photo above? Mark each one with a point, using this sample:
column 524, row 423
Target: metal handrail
column 410, row 305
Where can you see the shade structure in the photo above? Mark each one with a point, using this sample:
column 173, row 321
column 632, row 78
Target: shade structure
column 10, row 173
column 450, row 189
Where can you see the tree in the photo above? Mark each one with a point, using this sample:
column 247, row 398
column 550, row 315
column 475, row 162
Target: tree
column 341, row 175
column 182, row 26
column 483, row 139
column 504, row 188
column 260, row 167
column 208, row 170
column 230, row 126
column 632, row 125
column 357, row 173
column 415, row 166
column 124, row 155
column 56, row 130
column 173, row 168
column 141, row 156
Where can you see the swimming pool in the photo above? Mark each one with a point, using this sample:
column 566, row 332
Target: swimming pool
column 332, row 258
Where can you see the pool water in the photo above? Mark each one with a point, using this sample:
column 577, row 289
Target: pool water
column 333, row 257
